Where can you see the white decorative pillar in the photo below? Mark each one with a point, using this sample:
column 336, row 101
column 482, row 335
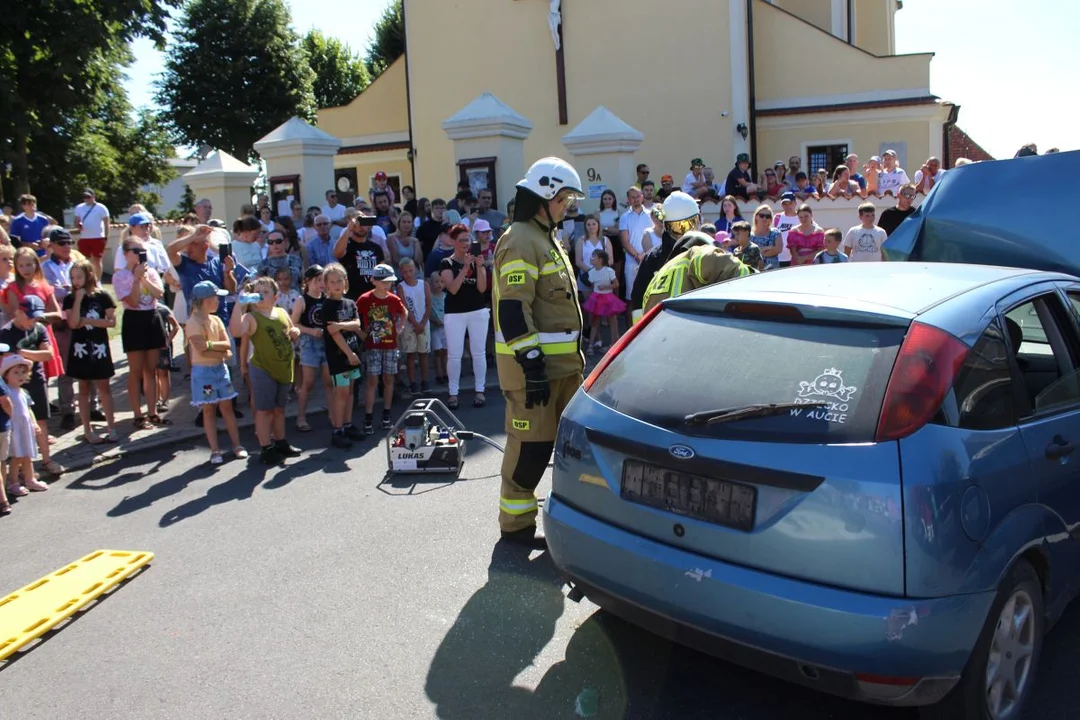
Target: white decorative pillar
column 297, row 149
column 603, row 146
column 226, row 181
column 488, row 132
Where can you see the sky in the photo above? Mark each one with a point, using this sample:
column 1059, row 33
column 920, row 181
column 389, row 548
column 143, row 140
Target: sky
column 1005, row 62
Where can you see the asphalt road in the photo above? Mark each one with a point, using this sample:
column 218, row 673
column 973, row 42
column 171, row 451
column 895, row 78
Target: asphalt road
column 323, row 590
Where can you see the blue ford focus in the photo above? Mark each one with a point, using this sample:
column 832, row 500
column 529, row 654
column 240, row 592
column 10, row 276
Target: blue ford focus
column 858, row 477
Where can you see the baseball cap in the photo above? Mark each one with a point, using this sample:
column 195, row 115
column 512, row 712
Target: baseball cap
column 697, row 162
column 206, row 289
column 481, row 225
column 666, row 178
column 890, row 151
column 32, row 305
column 787, row 197
column 779, row 163
column 876, row 159
column 61, row 236
column 139, row 219
column 742, row 157
column 88, row 193
column 12, row 360
column 384, row 272
column 380, row 175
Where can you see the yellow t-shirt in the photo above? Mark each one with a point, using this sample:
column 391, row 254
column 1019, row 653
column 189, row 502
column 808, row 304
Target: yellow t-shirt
column 213, row 330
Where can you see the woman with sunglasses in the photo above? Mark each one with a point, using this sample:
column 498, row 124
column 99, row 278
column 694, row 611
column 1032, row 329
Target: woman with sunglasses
column 278, row 258
column 766, row 237
column 138, row 287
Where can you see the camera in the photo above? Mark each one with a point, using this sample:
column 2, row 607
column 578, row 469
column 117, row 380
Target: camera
column 142, row 256
column 474, row 248
column 365, row 220
column 225, row 250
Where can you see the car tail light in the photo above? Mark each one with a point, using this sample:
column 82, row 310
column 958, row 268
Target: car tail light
column 925, row 368
column 619, row 345
column 883, row 687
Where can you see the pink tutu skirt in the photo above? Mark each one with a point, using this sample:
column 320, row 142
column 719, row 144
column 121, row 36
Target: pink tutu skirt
column 604, row 305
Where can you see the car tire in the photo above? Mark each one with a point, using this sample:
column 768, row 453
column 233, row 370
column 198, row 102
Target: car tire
column 1020, row 594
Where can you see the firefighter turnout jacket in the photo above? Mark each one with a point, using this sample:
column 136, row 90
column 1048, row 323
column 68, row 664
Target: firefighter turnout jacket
column 535, row 302
column 701, row 265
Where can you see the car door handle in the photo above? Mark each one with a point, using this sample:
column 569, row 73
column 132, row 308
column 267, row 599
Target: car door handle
column 1059, row 448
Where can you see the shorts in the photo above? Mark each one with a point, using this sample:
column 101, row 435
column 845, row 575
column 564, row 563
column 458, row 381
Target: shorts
column 413, row 342
column 143, row 330
column 211, row 384
column 438, row 338
column 5, row 444
column 92, row 247
column 267, row 393
column 381, row 362
column 343, row 379
column 40, row 395
column 312, row 351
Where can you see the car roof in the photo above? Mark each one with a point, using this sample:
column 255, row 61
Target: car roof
column 904, row 288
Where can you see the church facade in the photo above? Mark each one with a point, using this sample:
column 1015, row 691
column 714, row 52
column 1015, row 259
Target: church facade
column 698, row 78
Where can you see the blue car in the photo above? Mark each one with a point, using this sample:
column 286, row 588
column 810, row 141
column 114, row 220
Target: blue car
column 858, row 477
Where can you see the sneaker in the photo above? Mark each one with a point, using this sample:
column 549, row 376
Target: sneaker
column 270, row 456
column 97, row 415
column 35, row 485
column 353, row 433
column 239, row 453
column 414, row 389
column 340, row 441
column 287, row 450
column 425, row 387
column 68, row 422
column 215, row 458
column 368, row 429
column 386, row 422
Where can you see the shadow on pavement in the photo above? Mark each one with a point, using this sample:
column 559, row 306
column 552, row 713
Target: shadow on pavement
column 239, row 487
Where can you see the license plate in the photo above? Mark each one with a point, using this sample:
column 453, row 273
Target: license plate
column 708, row 499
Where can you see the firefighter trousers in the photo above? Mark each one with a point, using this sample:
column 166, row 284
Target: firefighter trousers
column 530, row 439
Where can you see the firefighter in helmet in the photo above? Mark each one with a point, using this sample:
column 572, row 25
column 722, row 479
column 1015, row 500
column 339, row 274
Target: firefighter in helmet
column 537, row 337
column 681, row 215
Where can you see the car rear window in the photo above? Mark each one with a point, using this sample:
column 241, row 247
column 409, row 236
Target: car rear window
column 683, row 363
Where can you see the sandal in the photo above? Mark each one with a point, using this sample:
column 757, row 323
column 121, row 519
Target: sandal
column 16, row 491
column 479, row 400
column 452, row 402
column 162, row 407
column 141, row 423
column 158, row 420
column 93, row 438
column 303, row 426
column 5, row 509
column 111, row 437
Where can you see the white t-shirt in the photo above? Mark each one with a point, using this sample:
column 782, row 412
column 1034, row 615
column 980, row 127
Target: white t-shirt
column 334, row 213
column 784, row 223
column 635, row 225
column 892, row 180
column 688, row 182
column 937, row 176
column 602, row 276
column 864, row 243
column 92, row 218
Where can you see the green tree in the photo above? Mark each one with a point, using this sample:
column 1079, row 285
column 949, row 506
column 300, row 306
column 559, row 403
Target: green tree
column 388, row 43
column 56, row 60
column 234, row 71
column 187, row 201
column 340, row 74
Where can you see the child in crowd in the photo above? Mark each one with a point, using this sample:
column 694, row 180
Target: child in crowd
column 742, row 248
column 383, row 316
column 26, row 335
column 307, row 316
column 416, row 338
column 831, row 253
column 211, row 387
column 603, row 304
column 7, row 274
column 90, row 313
column 271, row 335
column 287, row 294
column 29, row 279
column 864, row 241
column 5, row 439
column 438, row 330
column 165, row 359
column 23, row 448
column 806, row 239
column 342, row 343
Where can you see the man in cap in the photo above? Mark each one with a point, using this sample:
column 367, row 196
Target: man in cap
column 667, row 186
column 739, row 181
column 92, row 221
column 892, row 177
column 537, row 337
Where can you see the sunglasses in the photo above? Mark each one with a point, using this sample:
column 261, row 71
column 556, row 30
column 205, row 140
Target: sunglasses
column 322, row 224
column 765, row 217
column 907, row 194
column 278, row 241
column 62, row 242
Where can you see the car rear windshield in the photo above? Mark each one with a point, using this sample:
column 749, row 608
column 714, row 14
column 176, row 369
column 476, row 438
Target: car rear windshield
column 683, row 363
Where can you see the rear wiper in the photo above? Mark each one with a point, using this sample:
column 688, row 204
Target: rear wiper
column 708, row 417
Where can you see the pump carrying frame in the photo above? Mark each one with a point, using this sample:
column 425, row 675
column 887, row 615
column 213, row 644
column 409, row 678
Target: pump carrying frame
column 444, row 458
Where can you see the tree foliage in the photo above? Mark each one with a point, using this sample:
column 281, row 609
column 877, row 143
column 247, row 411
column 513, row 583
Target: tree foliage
column 388, row 43
column 234, row 71
column 59, row 63
column 340, row 74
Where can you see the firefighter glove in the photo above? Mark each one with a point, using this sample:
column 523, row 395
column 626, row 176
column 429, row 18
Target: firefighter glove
column 537, row 387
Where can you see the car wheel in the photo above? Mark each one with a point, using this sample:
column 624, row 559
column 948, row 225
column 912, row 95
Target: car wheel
column 998, row 680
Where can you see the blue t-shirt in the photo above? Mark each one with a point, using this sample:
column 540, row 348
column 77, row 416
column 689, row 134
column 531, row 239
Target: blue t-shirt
column 435, row 258
column 5, row 421
column 27, row 230
column 191, row 273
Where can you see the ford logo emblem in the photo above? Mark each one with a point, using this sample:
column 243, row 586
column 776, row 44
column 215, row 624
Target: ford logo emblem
column 682, row 452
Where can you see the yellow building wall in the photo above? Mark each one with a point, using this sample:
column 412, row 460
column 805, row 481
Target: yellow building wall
column 872, row 26
column 380, row 109
column 863, row 138
column 783, row 44
column 815, row 12
column 516, row 63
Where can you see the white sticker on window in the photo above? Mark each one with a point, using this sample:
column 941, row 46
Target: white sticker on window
column 829, row 388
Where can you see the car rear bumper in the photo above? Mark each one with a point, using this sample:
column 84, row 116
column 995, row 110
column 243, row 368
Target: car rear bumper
column 886, row 650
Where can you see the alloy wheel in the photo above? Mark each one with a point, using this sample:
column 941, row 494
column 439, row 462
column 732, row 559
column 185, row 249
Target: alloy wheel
column 1012, row 649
